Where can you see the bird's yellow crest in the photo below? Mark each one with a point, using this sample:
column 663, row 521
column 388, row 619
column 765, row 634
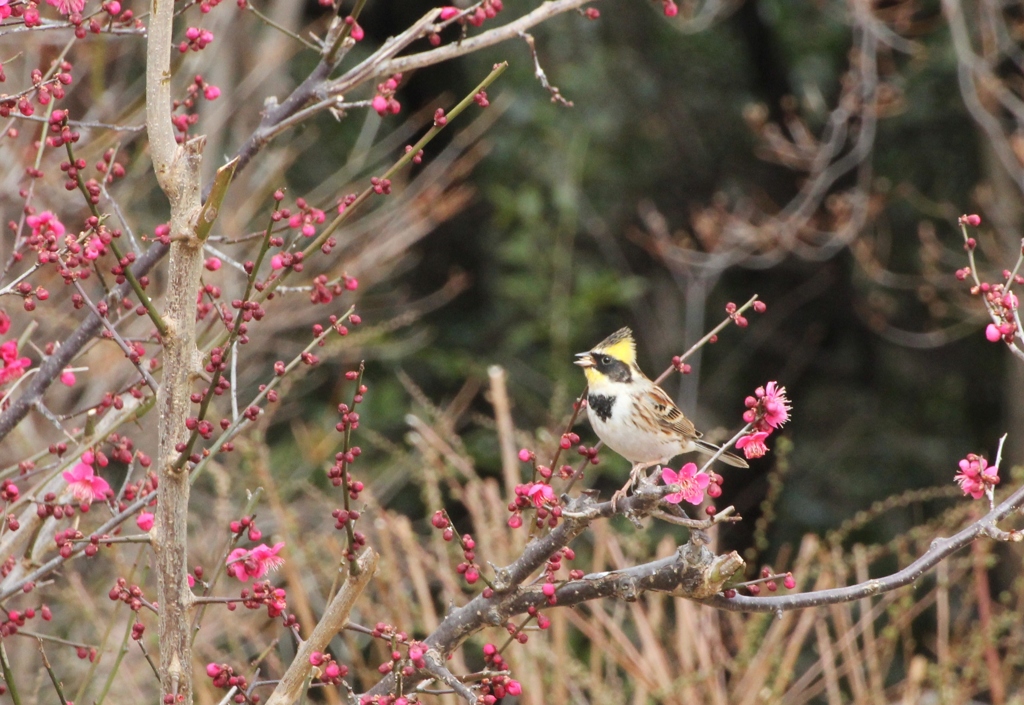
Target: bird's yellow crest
column 619, row 345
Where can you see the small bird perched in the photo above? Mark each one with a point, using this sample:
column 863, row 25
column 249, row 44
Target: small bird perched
column 634, row 416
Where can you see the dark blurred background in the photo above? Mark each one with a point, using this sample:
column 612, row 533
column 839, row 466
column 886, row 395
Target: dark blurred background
column 881, row 349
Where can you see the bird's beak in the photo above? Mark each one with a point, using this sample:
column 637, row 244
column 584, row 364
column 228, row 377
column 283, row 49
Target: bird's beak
column 586, row 360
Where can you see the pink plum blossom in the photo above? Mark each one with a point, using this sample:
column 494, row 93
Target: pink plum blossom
column 753, row 445
column 14, row 366
column 85, row 484
column 541, row 494
column 776, row 405
column 692, row 482
column 67, row 7
column 245, row 564
column 976, row 476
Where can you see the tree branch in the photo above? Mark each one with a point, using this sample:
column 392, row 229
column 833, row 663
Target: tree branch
column 333, row 621
column 940, row 549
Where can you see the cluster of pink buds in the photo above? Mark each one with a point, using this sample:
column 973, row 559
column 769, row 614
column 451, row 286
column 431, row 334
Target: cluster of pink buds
column 61, row 132
column 355, row 31
column 115, row 17
column 384, row 102
column 345, row 201
column 196, row 39
column 769, row 579
column 224, row 677
column 113, row 170
column 551, row 568
column 188, row 117
column 340, row 473
column 245, row 525
column 1003, row 307
column 494, row 688
column 263, row 593
column 17, row 618
column 326, row 669
column 589, row 453
column 383, row 630
column 306, row 218
column 488, row 10
column 468, row 568
column 481, row 99
column 8, row 490
column 669, row 8
column 416, row 659
column 766, row 411
column 441, row 521
column 976, row 477
column 43, row 91
column 323, row 292
column 131, row 595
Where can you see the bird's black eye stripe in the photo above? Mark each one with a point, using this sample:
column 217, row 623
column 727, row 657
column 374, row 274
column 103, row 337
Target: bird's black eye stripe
column 616, row 370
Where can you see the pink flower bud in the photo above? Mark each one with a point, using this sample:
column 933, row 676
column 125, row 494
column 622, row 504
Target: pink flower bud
column 212, row 670
column 992, row 333
column 212, row 264
column 974, row 220
column 380, row 104
column 67, row 378
column 276, row 262
column 211, row 93
column 316, row 658
column 145, row 521
column 524, row 455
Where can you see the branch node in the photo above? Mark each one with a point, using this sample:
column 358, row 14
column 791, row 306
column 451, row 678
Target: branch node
column 502, row 578
column 435, row 665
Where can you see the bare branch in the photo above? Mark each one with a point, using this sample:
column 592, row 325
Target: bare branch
column 940, row 548
column 332, row 622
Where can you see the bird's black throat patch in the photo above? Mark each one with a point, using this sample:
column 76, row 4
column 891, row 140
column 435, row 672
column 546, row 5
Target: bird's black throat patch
column 601, row 405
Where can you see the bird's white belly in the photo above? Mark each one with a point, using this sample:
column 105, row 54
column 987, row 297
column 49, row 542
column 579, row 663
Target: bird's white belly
column 621, row 433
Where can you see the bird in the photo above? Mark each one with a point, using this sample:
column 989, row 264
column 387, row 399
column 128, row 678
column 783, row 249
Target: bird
column 634, row 416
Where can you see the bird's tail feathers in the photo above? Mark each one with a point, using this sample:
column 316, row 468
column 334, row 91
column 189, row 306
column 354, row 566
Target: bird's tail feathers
column 726, row 457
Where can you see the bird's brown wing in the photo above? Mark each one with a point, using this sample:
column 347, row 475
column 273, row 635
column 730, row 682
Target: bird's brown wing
column 668, row 415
